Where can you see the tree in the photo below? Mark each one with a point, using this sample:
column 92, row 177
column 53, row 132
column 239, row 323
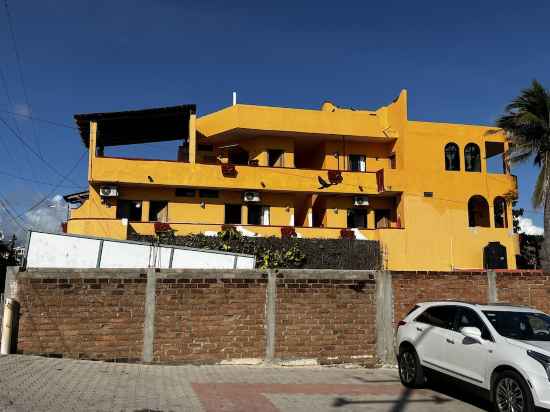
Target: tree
column 526, row 122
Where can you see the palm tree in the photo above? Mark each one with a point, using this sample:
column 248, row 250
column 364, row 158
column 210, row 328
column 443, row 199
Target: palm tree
column 526, row 122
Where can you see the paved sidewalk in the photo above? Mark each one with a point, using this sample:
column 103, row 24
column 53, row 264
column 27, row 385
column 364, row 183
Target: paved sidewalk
column 29, row 383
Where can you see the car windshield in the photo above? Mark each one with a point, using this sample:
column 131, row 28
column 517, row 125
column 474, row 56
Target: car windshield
column 530, row 326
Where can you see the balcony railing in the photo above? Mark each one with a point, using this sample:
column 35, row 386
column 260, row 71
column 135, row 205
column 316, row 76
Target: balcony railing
column 170, row 173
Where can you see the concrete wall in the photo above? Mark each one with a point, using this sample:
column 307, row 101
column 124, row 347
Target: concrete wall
column 208, row 316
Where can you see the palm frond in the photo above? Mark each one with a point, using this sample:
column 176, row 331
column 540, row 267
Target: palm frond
column 538, row 196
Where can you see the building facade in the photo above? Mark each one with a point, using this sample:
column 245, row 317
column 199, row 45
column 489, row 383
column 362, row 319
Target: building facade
column 433, row 194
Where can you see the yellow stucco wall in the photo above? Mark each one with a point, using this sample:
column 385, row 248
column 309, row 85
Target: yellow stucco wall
column 426, row 233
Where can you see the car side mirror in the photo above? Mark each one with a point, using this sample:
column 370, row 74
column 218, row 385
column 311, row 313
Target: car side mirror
column 472, row 332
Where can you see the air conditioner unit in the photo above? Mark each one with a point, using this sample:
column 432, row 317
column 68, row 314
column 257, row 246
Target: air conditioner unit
column 108, row 191
column 251, row 196
column 360, row 201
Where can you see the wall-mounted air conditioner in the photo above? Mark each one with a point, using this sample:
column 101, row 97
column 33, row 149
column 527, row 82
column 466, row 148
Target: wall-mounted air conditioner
column 251, row 197
column 108, row 191
column 360, row 201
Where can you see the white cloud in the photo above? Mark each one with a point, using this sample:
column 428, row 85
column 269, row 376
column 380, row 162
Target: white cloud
column 48, row 216
column 527, row 226
column 22, row 110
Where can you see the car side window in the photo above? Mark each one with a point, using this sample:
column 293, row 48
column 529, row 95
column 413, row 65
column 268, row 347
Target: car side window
column 468, row 318
column 440, row 316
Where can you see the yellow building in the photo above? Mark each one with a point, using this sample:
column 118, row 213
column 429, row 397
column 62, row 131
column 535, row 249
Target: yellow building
column 423, row 189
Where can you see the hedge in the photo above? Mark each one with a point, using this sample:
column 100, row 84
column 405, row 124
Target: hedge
column 273, row 252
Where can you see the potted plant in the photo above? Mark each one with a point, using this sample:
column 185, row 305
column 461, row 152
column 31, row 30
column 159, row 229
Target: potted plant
column 347, row 234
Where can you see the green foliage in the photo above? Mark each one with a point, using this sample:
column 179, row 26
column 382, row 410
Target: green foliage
column 292, row 257
column 526, row 122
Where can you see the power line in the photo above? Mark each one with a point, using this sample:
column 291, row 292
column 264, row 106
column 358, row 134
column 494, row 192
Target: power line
column 26, row 179
column 34, row 152
column 27, row 116
column 20, row 70
column 55, row 187
column 10, row 102
column 5, row 206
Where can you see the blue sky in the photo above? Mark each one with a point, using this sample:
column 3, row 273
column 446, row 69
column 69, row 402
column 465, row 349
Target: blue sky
column 460, row 62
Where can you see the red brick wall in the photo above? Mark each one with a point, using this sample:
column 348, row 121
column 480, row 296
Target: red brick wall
column 525, row 288
column 208, row 320
column 82, row 318
column 328, row 319
column 221, row 315
column 410, row 288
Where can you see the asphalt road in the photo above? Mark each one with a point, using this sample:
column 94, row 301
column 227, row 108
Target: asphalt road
column 29, row 383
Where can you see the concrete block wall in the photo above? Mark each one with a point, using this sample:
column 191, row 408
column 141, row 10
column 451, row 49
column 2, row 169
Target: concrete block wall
column 207, row 316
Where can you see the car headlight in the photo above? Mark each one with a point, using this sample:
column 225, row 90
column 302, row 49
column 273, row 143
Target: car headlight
column 543, row 359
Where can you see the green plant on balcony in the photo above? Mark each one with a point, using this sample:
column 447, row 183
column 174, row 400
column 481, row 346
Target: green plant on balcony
column 291, row 257
column 163, row 231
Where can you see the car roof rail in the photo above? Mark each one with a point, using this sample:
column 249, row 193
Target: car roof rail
column 513, row 305
column 452, row 301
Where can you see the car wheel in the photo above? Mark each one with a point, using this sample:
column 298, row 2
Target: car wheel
column 511, row 393
column 411, row 372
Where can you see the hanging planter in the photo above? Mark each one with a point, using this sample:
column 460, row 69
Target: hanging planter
column 335, row 177
column 347, row 234
column 161, row 227
column 288, row 232
column 228, row 170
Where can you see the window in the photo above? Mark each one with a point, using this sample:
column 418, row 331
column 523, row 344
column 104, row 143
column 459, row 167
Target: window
column 472, row 158
column 185, row 192
column 496, row 160
column 357, row 163
column 440, row 316
column 357, row 218
column 158, row 211
column 129, row 209
column 468, row 318
column 478, row 212
column 452, row 157
column 382, row 218
column 258, row 215
column 232, row 214
column 205, row 147
column 237, row 156
column 393, row 161
column 529, row 326
column 207, row 193
column 499, row 207
column 275, row 158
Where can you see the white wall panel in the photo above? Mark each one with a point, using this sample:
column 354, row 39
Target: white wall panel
column 191, row 259
column 47, row 250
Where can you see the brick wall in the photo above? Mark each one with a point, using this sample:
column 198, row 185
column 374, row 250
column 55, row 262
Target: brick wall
column 412, row 287
column 529, row 288
column 209, row 319
column 329, row 319
column 90, row 318
column 209, row 316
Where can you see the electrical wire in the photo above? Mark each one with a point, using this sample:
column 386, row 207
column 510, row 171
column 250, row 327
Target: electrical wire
column 20, row 70
column 51, row 192
column 51, row 122
column 26, row 179
column 34, row 152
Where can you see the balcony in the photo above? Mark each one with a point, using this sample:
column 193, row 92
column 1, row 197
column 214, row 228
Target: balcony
column 172, row 173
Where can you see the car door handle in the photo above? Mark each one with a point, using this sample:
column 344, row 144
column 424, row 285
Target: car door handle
column 450, row 341
column 419, row 329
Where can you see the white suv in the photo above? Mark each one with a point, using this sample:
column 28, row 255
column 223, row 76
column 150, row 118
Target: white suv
column 502, row 349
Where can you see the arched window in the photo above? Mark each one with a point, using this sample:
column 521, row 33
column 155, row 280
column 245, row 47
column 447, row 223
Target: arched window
column 452, row 157
column 472, row 159
column 478, row 212
column 499, row 206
